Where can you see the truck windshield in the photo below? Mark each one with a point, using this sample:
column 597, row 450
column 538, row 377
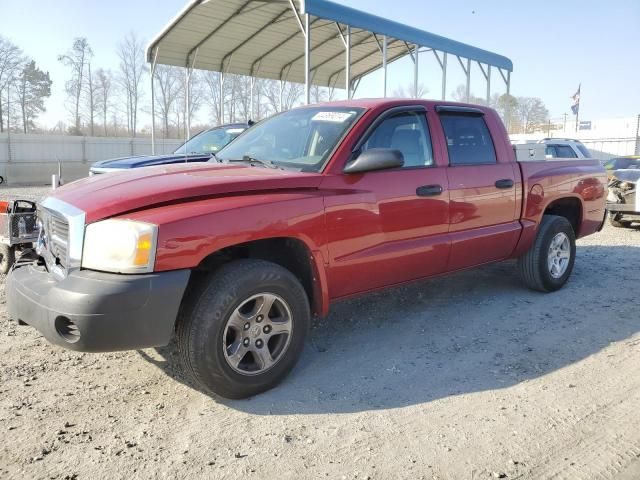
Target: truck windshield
column 210, row 141
column 302, row 138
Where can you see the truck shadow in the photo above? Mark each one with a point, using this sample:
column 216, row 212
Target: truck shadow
column 474, row 331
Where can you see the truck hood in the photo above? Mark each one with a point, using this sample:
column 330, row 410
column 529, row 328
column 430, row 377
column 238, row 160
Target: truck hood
column 104, row 196
column 149, row 160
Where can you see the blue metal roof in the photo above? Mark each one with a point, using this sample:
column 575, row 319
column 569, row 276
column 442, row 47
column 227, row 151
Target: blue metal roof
column 366, row 21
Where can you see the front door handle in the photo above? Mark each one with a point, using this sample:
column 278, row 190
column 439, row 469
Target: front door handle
column 504, row 183
column 429, row 190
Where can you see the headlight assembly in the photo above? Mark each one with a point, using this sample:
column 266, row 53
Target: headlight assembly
column 120, row 246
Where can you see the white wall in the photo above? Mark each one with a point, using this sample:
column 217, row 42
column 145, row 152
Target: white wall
column 32, row 159
column 608, row 137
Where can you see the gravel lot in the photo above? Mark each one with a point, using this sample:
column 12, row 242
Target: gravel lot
column 466, row 377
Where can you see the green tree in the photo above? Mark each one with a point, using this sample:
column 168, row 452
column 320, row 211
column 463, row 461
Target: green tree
column 507, row 107
column 32, row 88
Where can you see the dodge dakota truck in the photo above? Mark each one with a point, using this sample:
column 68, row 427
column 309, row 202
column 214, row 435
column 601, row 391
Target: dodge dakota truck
column 231, row 259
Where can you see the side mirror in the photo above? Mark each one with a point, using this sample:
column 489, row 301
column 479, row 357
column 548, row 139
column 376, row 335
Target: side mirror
column 375, row 159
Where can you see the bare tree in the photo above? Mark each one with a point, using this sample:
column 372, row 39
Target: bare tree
column 408, row 91
column 460, row 95
column 32, row 88
column 291, row 94
column 11, row 61
column 532, row 113
column 132, row 68
column 212, row 95
column 76, row 58
column 103, row 81
column 168, row 85
column 196, row 96
column 91, row 104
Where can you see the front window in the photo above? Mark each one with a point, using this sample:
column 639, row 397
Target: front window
column 210, row 141
column 302, row 138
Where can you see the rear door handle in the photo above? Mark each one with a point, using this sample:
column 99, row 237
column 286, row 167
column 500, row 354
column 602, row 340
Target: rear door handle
column 429, row 190
column 504, row 183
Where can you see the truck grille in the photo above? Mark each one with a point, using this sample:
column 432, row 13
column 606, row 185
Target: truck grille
column 54, row 237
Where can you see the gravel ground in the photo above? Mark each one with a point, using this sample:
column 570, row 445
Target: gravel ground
column 466, row 377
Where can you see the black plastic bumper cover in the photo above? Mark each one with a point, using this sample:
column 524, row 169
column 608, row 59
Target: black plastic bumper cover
column 111, row 312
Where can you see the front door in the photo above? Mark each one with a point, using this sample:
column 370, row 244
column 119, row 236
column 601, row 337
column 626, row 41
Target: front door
column 389, row 226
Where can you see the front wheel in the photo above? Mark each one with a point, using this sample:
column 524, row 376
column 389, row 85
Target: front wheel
column 547, row 265
column 242, row 329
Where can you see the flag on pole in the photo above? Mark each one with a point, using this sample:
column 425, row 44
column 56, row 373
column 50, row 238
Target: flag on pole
column 575, row 108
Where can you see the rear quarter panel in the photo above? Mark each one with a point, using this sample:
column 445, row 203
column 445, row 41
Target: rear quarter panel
column 546, row 181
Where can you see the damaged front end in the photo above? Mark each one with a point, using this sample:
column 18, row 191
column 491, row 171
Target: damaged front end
column 623, row 202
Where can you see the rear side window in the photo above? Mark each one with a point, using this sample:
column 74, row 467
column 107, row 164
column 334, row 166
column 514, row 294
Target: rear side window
column 468, row 140
column 565, row 151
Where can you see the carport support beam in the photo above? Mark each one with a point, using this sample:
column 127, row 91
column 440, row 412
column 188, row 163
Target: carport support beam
column 444, row 75
column 468, row 72
column 384, row 66
column 415, row 71
column 347, row 66
column 153, row 104
column 488, row 84
column 221, row 98
column 307, row 60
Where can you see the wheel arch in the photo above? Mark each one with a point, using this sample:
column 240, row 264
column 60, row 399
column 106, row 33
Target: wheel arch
column 292, row 253
column 570, row 207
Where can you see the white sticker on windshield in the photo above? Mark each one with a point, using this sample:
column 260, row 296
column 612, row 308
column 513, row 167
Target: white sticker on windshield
column 337, row 117
column 235, row 130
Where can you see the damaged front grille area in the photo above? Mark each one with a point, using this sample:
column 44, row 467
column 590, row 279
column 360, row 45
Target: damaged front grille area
column 60, row 237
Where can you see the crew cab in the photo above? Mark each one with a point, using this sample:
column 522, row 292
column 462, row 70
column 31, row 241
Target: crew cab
column 232, row 258
column 199, row 148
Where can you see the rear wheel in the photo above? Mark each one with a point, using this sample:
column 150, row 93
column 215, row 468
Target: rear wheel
column 243, row 329
column 615, row 219
column 547, row 265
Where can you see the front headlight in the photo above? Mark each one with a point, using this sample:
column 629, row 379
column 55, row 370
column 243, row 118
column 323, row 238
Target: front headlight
column 120, row 246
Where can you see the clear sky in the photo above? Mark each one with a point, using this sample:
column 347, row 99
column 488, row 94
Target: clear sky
column 554, row 45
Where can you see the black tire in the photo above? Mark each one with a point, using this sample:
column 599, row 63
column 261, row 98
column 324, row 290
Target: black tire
column 200, row 333
column 7, row 257
column 615, row 220
column 533, row 266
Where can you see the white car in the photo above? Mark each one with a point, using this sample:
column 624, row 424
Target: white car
column 551, row 148
column 565, row 148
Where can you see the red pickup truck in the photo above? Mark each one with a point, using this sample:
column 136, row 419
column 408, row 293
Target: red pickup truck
column 233, row 257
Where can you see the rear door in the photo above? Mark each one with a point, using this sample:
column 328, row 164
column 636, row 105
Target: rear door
column 483, row 214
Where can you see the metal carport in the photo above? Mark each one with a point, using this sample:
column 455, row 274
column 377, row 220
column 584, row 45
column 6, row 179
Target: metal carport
column 314, row 42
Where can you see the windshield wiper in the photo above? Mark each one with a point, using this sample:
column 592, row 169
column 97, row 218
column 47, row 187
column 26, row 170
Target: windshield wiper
column 251, row 160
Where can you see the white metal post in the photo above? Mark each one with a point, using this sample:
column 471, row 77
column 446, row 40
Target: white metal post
column 347, row 66
column 187, row 105
column 415, row 71
column 384, row 66
column 221, row 98
column 251, row 86
column 488, row 84
column 468, row 72
column 307, row 60
column 153, row 104
column 508, row 83
column 444, row 75
column 281, row 93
